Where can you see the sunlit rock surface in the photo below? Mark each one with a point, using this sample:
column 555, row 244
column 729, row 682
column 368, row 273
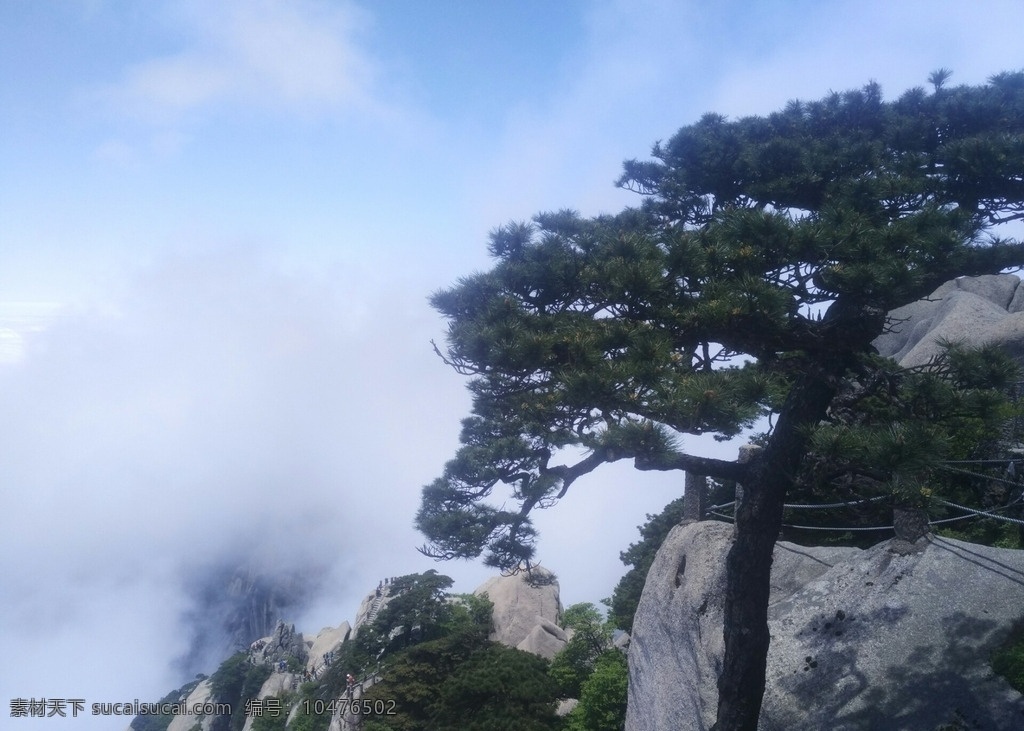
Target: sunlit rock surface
column 894, row 638
column 971, row 310
column 522, row 602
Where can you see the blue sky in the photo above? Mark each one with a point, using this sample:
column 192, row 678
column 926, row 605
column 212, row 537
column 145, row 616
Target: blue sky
column 220, row 221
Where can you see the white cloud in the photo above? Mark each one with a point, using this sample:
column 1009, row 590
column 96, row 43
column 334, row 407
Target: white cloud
column 302, row 54
column 843, row 46
column 647, row 68
column 292, row 57
column 219, row 411
column 630, row 83
column 174, row 85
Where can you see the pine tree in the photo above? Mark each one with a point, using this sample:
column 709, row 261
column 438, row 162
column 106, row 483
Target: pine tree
column 752, row 280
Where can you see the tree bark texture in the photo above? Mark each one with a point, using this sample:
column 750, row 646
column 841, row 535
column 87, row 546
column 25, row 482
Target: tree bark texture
column 749, row 563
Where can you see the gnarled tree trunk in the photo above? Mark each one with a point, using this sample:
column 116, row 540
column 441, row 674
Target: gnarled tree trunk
column 749, row 563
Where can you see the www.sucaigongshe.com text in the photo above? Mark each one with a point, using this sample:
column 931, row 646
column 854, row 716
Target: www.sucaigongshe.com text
column 75, row 707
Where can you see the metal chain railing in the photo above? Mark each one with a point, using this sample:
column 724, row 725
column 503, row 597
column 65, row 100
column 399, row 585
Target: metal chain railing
column 982, row 513
column 713, row 510
column 979, row 475
column 1011, row 471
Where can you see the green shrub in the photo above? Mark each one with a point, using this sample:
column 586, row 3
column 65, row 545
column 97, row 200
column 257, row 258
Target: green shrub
column 1008, row 660
column 602, row 705
column 162, row 721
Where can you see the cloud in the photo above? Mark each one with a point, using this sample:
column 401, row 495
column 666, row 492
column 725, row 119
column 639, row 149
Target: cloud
column 844, row 46
column 215, row 413
column 647, row 68
column 288, row 57
column 631, row 81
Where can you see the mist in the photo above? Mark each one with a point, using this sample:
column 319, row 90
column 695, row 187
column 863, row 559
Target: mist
column 215, row 415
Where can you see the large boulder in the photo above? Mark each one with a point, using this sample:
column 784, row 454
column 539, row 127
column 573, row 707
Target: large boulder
column 897, row 637
column 971, row 310
column 327, row 640
column 676, row 648
column 526, row 605
column 546, row 639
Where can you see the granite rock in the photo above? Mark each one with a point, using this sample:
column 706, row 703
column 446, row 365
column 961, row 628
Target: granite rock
column 894, row 638
column 522, row 602
column 546, row 639
column 970, row 310
column 203, row 693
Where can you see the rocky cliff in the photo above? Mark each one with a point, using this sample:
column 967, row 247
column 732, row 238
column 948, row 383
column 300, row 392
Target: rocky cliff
column 234, row 606
column 526, row 611
column 894, row 638
column 897, row 637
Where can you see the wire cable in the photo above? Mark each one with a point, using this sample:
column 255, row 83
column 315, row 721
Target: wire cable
column 980, row 512
column 980, row 476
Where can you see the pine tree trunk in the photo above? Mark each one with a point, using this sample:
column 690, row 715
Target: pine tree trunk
column 749, row 563
column 748, row 575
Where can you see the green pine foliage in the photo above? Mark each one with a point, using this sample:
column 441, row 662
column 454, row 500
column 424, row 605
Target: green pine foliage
column 889, row 436
column 160, row 722
column 414, row 677
column 589, row 669
column 602, row 705
column 235, row 682
column 498, row 688
column 765, row 253
column 1008, row 660
column 464, row 681
column 418, row 611
column 227, row 681
column 591, row 636
column 457, row 679
column 274, row 722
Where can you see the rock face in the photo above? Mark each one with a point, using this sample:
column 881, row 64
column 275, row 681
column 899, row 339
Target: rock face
column 203, row 693
column 973, row 310
column 329, row 639
column 234, row 606
column 545, row 639
column 372, row 604
column 894, row 638
column 282, row 644
column 526, row 611
column 274, row 686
